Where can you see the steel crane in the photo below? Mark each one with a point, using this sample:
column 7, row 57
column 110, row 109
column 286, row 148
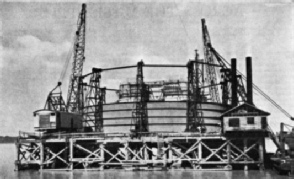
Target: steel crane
column 74, row 97
column 210, row 53
column 74, row 102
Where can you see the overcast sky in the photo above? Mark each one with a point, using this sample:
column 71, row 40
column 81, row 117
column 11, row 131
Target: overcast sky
column 36, row 38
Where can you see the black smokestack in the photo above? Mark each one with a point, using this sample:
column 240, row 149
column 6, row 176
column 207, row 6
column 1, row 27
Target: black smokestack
column 234, row 82
column 249, row 80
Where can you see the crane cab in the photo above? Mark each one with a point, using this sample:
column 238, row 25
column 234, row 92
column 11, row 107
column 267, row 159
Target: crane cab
column 52, row 121
column 244, row 118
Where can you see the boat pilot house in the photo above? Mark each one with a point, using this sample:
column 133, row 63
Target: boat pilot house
column 244, row 118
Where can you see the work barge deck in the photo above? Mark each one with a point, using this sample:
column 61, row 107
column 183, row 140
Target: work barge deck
column 203, row 123
column 152, row 151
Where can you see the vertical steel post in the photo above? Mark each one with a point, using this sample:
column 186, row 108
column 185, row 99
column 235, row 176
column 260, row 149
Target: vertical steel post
column 100, row 108
column 71, row 153
column 80, row 100
column 41, row 154
column 200, row 150
column 234, row 82
column 189, row 96
column 229, row 158
column 170, row 152
column 96, row 85
column 127, row 156
column 282, row 140
column 249, row 80
column 102, row 154
column 142, row 96
column 245, row 141
column 194, row 114
column 225, row 92
column 145, row 151
column 261, row 153
column 164, row 159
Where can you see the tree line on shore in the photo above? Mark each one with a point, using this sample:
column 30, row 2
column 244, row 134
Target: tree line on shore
column 7, row 139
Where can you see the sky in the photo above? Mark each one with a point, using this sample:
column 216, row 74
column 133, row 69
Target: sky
column 36, row 38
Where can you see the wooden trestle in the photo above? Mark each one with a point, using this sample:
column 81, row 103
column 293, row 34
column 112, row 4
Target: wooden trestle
column 98, row 151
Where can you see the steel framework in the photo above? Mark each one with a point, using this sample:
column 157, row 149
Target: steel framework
column 140, row 114
column 94, row 100
column 55, row 101
column 226, row 83
column 151, row 152
column 194, row 98
column 212, row 56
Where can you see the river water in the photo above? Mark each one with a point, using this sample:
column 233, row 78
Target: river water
column 8, row 155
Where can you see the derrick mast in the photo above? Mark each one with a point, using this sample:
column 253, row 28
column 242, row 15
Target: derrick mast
column 74, row 101
column 211, row 57
column 210, row 70
column 140, row 114
column 194, row 114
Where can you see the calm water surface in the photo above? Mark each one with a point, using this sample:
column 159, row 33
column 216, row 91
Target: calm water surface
column 8, row 153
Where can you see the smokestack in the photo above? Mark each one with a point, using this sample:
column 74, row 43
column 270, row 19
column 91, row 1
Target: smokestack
column 234, row 82
column 249, row 80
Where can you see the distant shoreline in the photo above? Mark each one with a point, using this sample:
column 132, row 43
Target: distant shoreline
column 7, row 139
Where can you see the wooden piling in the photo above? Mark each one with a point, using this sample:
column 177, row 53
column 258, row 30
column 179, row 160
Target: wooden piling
column 261, row 153
column 245, row 141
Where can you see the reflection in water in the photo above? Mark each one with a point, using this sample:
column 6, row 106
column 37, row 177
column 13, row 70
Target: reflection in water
column 7, row 172
column 246, row 174
column 228, row 174
column 57, row 174
column 186, row 174
column 112, row 174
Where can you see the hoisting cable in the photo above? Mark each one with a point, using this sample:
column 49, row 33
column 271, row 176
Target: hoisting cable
column 65, row 66
column 70, row 52
column 182, row 22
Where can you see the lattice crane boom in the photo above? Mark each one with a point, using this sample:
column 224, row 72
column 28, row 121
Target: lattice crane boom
column 222, row 62
column 212, row 56
column 210, row 52
column 210, row 70
column 73, row 96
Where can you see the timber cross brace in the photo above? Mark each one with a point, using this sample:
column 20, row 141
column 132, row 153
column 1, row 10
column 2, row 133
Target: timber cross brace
column 147, row 153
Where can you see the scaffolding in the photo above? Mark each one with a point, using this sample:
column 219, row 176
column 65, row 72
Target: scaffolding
column 153, row 151
column 140, row 149
column 170, row 90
